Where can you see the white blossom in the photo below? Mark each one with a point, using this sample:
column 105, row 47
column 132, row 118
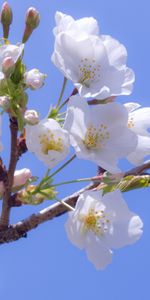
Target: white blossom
column 34, row 79
column 9, row 53
column 48, row 141
column 77, row 28
column 102, row 223
column 99, row 132
column 95, row 64
column 139, row 122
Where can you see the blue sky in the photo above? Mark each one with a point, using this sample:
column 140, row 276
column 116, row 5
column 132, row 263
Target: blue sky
column 46, row 265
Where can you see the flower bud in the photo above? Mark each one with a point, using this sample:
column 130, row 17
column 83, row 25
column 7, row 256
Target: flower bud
column 34, row 79
column 32, row 18
column 6, row 18
column 8, row 65
column 28, row 196
column 31, row 117
column 4, row 102
column 21, row 177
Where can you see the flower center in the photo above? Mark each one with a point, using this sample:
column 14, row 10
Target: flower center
column 89, row 71
column 131, row 122
column 49, row 142
column 94, row 221
column 95, row 138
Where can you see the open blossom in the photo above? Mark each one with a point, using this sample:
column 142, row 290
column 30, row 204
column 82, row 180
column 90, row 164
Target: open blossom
column 34, row 79
column 99, row 133
column 9, row 55
column 77, row 28
column 95, row 64
column 48, row 141
column 102, row 223
column 139, row 122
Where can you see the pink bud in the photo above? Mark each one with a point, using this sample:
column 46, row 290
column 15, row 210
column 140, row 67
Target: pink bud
column 8, row 65
column 21, row 177
column 6, row 14
column 32, row 18
column 6, row 18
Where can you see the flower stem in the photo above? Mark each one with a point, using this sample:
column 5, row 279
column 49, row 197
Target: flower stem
column 63, row 166
column 62, row 91
column 72, row 181
column 74, row 92
column 65, row 204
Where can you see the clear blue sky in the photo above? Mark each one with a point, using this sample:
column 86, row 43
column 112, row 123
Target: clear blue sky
column 46, row 265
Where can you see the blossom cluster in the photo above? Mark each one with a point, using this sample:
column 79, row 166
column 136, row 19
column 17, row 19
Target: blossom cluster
column 96, row 125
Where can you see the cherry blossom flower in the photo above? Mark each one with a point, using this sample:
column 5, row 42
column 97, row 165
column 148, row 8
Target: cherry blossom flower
column 77, row 28
column 9, row 53
column 99, row 133
column 95, row 64
column 102, row 223
column 34, row 79
column 139, row 122
column 48, row 141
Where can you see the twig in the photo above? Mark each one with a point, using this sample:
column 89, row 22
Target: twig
column 19, row 230
column 4, row 220
column 138, row 170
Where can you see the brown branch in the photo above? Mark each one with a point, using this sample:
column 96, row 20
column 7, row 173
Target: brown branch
column 138, row 170
column 4, row 220
column 19, row 230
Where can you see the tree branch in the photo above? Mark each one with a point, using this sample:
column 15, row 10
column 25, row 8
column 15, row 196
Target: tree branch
column 4, row 220
column 20, row 229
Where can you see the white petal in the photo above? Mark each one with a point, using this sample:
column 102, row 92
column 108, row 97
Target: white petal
column 112, row 114
column 141, row 120
column 62, row 22
column 126, row 227
column 117, row 53
column 97, row 253
column 135, row 228
column 87, row 201
column 141, row 151
column 129, row 78
column 12, row 51
column 77, row 117
column 131, row 106
column 88, row 25
column 123, row 140
column 73, row 230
